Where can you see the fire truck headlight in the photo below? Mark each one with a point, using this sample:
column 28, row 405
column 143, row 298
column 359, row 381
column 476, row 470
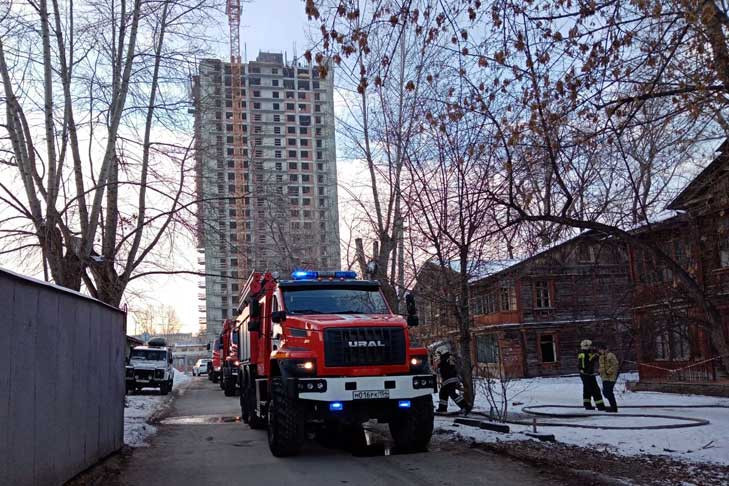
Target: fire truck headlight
column 419, row 364
column 237, row 363
column 298, row 367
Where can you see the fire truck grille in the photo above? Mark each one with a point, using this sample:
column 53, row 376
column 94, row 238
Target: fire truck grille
column 357, row 346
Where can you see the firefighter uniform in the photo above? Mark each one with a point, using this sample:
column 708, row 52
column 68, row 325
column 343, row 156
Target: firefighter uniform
column 609, row 366
column 449, row 382
column 586, row 360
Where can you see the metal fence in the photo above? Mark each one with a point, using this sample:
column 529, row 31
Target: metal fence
column 62, row 382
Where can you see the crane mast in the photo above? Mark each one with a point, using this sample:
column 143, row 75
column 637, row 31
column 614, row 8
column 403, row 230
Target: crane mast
column 234, row 11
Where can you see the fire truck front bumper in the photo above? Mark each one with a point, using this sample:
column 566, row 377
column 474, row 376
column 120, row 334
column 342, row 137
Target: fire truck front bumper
column 362, row 387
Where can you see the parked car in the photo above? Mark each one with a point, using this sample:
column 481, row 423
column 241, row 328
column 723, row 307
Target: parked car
column 150, row 366
column 201, row 367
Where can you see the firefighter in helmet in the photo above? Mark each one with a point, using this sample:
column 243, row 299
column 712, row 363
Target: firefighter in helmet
column 586, row 360
column 446, row 365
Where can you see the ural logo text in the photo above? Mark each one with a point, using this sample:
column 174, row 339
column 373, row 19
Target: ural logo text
column 366, row 344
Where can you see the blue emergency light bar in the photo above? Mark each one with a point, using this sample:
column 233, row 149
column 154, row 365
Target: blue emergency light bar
column 314, row 275
column 336, row 406
column 403, row 404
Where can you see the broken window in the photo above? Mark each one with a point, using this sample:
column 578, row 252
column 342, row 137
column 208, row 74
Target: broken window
column 548, row 348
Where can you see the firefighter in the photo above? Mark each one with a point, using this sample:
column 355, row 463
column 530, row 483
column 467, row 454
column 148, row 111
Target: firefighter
column 449, row 380
column 586, row 360
column 609, row 375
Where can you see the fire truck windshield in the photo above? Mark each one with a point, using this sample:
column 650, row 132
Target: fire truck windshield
column 334, row 301
column 148, row 355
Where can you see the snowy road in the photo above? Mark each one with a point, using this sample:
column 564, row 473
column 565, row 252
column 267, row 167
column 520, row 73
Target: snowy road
column 198, row 444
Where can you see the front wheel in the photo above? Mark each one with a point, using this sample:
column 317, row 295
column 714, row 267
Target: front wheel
column 286, row 432
column 412, row 428
column 164, row 388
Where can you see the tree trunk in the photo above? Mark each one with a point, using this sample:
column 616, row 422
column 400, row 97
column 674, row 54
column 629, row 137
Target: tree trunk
column 464, row 330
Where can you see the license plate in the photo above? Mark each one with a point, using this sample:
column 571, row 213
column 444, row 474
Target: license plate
column 370, row 394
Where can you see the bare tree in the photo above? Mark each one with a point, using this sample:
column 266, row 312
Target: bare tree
column 156, row 319
column 378, row 85
column 584, row 103
column 104, row 171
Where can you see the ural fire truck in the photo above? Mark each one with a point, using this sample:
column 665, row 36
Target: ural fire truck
column 323, row 352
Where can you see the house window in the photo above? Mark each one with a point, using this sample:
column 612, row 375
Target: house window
column 548, row 348
column 476, row 305
column 541, row 295
column 724, row 252
column 507, row 299
column 585, row 253
column 487, row 348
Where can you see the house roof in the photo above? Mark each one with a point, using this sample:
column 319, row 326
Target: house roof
column 542, row 252
column 479, row 269
column 718, row 167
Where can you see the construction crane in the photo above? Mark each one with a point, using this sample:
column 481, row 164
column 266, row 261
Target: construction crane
column 234, row 10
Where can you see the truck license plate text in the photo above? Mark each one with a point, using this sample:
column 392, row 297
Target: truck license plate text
column 370, row 394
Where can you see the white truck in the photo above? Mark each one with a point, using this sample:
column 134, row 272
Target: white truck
column 150, row 367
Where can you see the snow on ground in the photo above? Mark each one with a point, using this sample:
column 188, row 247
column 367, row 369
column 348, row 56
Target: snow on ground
column 141, row 407
column 709, row 443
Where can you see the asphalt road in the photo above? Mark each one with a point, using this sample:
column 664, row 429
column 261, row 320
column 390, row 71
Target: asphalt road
column 200, row 443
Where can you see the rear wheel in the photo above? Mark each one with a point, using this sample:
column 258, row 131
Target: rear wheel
column 286, row 432
column 228, row 386
column 412, row 428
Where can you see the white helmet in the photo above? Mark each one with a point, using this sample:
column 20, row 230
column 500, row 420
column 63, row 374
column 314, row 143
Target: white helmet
column 585, row 344
column 442, row 349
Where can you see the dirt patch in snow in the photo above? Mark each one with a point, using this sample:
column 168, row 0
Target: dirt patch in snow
column 598, row 466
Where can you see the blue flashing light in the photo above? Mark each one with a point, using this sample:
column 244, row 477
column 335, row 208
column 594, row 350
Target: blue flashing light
column 314, row 275
column 336, row 406
column 304, row 275
column 403, row 404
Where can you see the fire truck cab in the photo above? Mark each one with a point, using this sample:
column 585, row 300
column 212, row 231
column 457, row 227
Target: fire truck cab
column 322, row 350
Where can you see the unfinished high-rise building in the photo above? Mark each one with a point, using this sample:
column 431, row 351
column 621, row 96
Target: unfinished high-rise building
column 268, row 188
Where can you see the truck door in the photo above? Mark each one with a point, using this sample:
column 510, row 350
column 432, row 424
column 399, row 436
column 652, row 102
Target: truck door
column 277, row 329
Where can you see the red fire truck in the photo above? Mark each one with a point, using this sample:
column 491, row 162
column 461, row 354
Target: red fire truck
column 230, row 361
column 214, row 365
column 322, row 351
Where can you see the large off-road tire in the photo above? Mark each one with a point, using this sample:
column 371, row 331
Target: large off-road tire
column 286, row 431
column 229, row 386
column 215, row 377
column 412, row 428
column 248, row 409
column 164, row 389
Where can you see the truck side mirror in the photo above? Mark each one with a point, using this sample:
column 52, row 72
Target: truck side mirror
column 278, row 317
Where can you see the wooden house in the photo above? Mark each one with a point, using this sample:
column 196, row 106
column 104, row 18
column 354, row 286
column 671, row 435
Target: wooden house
column 674, row 342
column 529, row 318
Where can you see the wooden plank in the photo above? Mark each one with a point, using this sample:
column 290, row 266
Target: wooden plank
column 23, row 433
column 7, row 295
column 45, row 383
